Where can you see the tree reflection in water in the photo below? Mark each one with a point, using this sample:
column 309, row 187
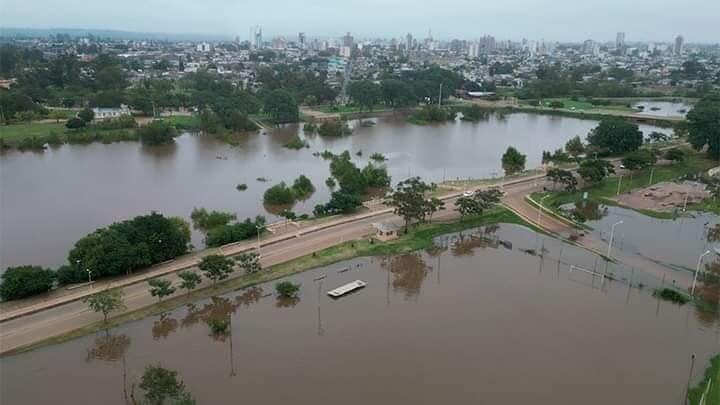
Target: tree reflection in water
column 109, row 347
column 249, row 296
column 287, row 302
column 589, row 211
column 409, row 271
column 164, row 326
column 708, row 312
column 466, row 243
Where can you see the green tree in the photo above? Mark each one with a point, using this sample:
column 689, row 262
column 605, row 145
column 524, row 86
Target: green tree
column 555, row 104
column 302, row 187
column 279, row 194
column 206, row 220
column 161, row 288
column 468, row 206
column 616, row 136
column 216, row 267
column 190, row 280
column 365, row 93
column 160, row 385
column 157, row 133
column 675, row 154
column 75, row 123
column 704, row 125
column 639, row 159
column 287, row 289
column 341, row 202
column 281, row 105
column 513, row 161
column 105, row 302
column 25, row 281
column 409, row 200
column 225, row 234
column 86, row 114
column 250, row 262
column 564, row 177
column 594, row 170
column 575, row 147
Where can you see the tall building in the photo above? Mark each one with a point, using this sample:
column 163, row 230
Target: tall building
column 301, row 40
column 679, row 44
column 620, row 40
column 256, row 40
column 408, row 42
column 487, row 44
column 348, row 40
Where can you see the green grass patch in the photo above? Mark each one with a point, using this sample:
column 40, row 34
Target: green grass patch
column 419, row 237
column 708, row 390
column 603, row 191
column 16, row 132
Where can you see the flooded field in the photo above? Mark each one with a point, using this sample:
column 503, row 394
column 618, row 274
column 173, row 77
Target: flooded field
column 49, row 200
column 662, row 108
column 479, row 318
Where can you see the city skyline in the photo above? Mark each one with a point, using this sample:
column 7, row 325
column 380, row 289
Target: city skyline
column 515, row 19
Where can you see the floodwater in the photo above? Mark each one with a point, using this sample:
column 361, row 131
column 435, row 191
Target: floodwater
column 663, row 108
column 476, row 319
column 676, row 242
column 49, row 200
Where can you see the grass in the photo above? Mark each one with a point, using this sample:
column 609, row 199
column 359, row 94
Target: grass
column 16, row 132
column 604, row 191
column 709, row 395
column 419, row 237
column 351, row 108
column 581, row 105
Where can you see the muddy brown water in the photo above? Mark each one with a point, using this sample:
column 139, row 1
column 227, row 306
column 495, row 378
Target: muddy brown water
column 477, row 319
column 49, row 200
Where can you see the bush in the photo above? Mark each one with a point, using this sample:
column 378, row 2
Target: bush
column 25, row 281
column 279, row 194
column 296, row 143
column 205, row 220
column 675, row 154
column 333, row 128
column 302, row 187
column 557, row 104
column 671, row 295
column 378, row 157
column 225, row 234
column 287, row 289
column 157, row 133
column 330, row 182
column 241, row 187
column 70, row 275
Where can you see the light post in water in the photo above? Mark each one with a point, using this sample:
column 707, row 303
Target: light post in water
column 697, row 270
column 612, row 235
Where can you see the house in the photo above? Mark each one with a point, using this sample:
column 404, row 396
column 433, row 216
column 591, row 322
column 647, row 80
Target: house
column 385, row 230
column 103, row 113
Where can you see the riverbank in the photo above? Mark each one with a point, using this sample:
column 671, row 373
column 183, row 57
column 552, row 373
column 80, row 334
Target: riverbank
column 604, row 191
column 419, row 237
column 707, row 392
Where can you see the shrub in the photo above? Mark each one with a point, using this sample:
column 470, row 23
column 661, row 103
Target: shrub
column 671, row 295
column 70, row 275
column 330, row 182
column 25, row 281
column 378, row 157
column 205, row 220
column 279, row 194
column 157, row 133
column 302, row 187
column 225, row 234
column 241, row 187
column 296, row 143
column 287, row 289
column 675, row 154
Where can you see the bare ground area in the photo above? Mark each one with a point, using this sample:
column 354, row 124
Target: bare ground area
column 665, row 196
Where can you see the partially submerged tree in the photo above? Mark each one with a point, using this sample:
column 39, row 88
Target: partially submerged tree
column 216, row 267
column 190, row 280
column 250, row 262
column 105, row 302
column 161, row 288
column 409, row 200
column 513, row 161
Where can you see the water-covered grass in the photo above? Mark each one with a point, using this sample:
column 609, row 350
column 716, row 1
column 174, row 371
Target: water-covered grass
column 707, row 392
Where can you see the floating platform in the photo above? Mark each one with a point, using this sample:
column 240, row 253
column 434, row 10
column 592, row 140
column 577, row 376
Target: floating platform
column 347, row 288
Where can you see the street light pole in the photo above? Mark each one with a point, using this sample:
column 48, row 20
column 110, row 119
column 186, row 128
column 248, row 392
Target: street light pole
column 258, row 240
column 697, row 270
column 89, row 272
column 540, row 209
column 652, row 171
column 619, row 182
column 612, row 235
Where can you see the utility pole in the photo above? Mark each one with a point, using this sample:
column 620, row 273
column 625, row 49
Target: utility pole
column 612, row 235
column 440, row 97
column 619, row 182
column 652, row 171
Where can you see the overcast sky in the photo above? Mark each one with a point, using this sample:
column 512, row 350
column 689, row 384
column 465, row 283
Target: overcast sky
column 556, row 20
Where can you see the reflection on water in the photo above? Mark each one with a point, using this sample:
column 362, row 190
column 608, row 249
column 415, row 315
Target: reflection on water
column 101, row 184
column 164, row 326
column 587, row 211
column 466, row 334
column 409, row 271
column 286, row 302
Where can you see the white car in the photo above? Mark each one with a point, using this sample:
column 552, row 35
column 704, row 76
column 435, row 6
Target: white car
column 468, row 193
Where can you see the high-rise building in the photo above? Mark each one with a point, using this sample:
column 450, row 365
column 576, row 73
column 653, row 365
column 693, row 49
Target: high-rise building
column 620, row 40
column 679, row 45
column 348, row 40
column 301, row 40
column 408, row 42
column 256, row 40
column 487, row 44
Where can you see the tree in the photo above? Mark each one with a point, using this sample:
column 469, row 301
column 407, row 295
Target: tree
column 432, row 206
column 161, row 384
column 106, row 301
column 279, row 194
column 281, row 105
column 704, row 125
column 216, row 267
column 225, row 234
column 564, row 177
column 575, row 147
column 639, row 159
column 287, row 289
column 616, row 135
column 86, row 114
column 161, row 288
column 74, row 123
column 341, row 202
column 555, row 104
column 468, row 206
column 656, row 136
column 250, row 262
column 157, row 133
column 190, row 280
column 25, row 281
column 365, row 93
column 594, row 170
column 513, row 161
column 675, row 154
column 409, row 199
column 302, row 187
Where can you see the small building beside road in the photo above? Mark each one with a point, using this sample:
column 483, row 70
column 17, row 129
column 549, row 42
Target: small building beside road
column 385, row 230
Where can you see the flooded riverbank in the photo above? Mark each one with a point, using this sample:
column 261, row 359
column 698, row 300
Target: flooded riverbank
column 479, row 318
column 51, row 199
